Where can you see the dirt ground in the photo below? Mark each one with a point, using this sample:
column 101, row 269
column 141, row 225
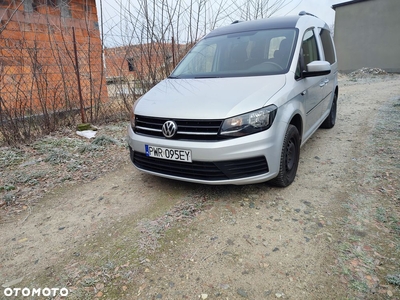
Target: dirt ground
column 110, row 232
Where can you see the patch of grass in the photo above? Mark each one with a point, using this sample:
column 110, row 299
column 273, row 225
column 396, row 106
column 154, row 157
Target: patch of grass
column 58, row 156
column 116, row 128
column 90, row 281
column 29, row 178
column 348, row 252
column 10, row 157
column 345, row 248
column 394, row 224
column 153, row 230
column 104, row 140
column 59, row 150
column 66, row 178
column 47, row 143
column 74, row 166
column 109, row 265
column 354, row 238
column 359, row 286
column 367, row 260
column 395, row 228
column 345, row 270
column 9, row 199
column 89, row 148
column 380, row 214
column 80, row 294
column 394, row 279
column 7, row 188
column 356, row 254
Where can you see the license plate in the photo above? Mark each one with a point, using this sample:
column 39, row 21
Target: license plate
column 168, row 153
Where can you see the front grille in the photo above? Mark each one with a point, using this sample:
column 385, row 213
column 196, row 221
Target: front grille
column 187, row 129
column 211, row 171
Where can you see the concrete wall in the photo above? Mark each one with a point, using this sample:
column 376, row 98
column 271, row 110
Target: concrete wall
column 367, row 34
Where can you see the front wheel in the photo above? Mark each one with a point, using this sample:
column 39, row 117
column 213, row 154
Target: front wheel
column 289, row 158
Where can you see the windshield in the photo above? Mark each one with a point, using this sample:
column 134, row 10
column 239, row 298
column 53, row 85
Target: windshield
column 253, row 53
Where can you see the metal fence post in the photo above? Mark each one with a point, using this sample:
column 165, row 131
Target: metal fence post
column 78, row 78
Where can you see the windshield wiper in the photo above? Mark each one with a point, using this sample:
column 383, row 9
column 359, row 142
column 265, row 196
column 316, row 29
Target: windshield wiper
column 195, row 77
column 201, row 77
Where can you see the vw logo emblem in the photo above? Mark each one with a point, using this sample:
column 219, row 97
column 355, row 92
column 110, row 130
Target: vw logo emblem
column 169, row 129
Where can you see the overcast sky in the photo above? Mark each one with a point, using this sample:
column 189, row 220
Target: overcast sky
column 112, row 13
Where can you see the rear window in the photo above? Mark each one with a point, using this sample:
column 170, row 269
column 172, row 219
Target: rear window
column 328, row 45
column 264, row 52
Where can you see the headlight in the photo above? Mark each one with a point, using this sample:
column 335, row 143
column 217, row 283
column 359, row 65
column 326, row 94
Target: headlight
column 249, row 123
column 132, row 117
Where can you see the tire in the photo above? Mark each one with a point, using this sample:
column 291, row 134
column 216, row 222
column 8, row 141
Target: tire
column 289, row 158
column 331, row 118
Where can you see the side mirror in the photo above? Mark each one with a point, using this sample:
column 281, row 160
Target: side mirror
column 317, row 68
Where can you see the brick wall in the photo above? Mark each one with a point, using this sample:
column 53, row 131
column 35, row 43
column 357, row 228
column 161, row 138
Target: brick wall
column 37, row 59
column 142, row 64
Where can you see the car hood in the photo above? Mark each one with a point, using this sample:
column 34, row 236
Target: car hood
column 211, row 98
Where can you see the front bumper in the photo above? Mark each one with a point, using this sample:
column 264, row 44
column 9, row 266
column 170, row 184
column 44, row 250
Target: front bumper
column 245, row 160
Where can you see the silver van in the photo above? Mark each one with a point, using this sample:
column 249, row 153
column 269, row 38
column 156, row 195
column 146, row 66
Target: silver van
column 239, row 106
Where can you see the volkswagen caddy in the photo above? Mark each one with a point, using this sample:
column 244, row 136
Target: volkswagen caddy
column 240, row 104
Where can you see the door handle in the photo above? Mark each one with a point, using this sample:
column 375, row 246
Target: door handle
column 303, row 93
column 324, row 82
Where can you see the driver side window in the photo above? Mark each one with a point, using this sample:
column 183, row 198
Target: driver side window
column 309, row 52
column 310, row 49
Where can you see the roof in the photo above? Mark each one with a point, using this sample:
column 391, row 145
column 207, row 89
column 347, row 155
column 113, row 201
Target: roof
column 270, row 23
column 347, row 3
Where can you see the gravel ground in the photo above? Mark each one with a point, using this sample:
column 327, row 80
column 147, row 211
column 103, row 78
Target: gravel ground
column 76, row 214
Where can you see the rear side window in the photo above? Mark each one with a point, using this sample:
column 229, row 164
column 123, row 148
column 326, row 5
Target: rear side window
column 328, row 45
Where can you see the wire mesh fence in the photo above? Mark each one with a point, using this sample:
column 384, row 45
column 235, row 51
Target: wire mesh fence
column 54, row 71
column 49, row 81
